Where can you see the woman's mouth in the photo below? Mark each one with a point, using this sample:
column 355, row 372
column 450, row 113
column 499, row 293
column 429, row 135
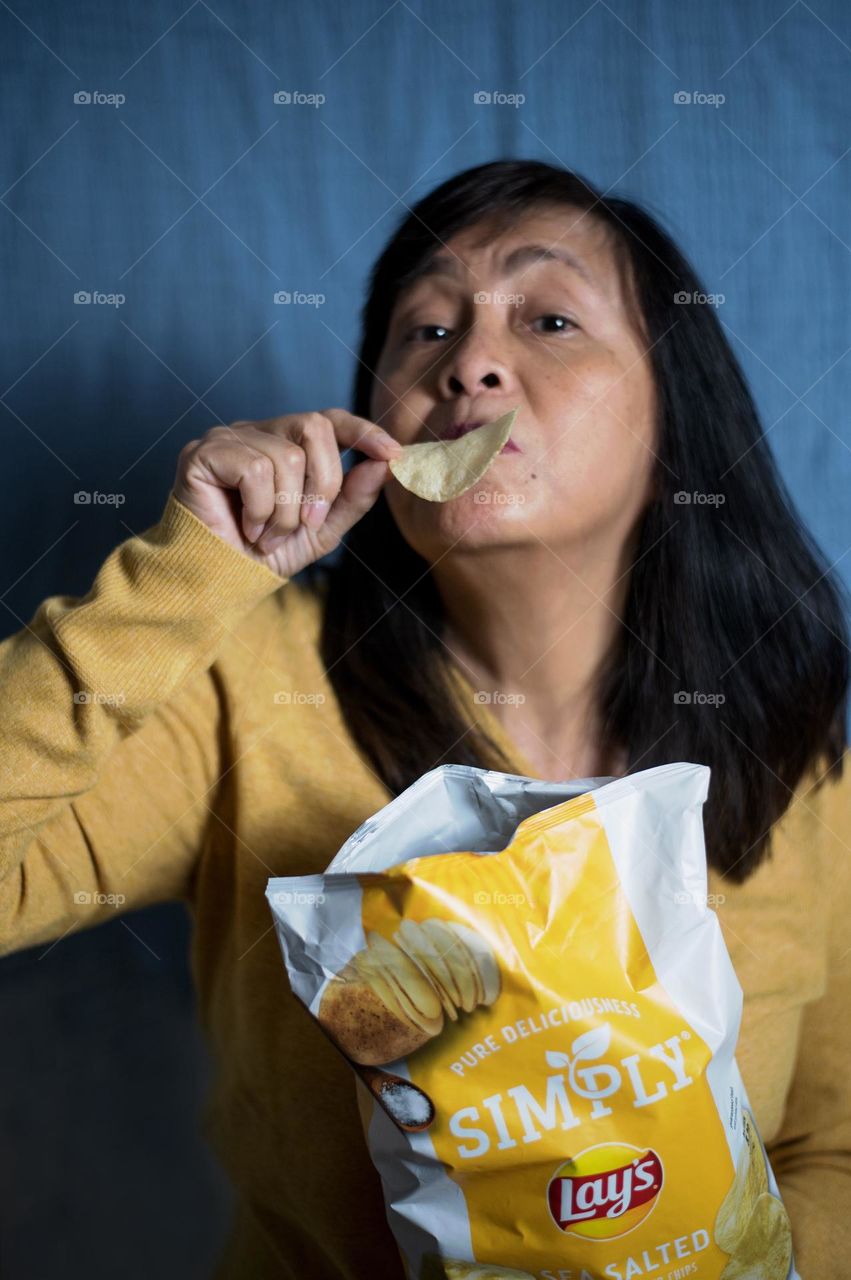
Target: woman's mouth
column 461, row 428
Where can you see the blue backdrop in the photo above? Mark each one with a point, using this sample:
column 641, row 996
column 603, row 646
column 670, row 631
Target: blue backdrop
column 180, row 167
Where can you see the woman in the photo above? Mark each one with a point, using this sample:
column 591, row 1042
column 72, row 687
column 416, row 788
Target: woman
column 626, row 586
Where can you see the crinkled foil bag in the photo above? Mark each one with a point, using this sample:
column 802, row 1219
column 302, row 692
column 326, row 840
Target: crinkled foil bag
column 542, row 1015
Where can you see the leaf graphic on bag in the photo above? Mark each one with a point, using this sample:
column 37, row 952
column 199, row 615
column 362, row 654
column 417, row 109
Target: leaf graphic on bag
column 593, row 1043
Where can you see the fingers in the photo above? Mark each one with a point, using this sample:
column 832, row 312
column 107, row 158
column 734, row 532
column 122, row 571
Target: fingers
column 359, row 433
column 233, row 465
column 323, row 474
column 288, row 472
column 320, row 436
column 360, row 490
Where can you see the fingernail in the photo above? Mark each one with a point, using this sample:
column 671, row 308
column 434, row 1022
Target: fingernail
column 316, row 513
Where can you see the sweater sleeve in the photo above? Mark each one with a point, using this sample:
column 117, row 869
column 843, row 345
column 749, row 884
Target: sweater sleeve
column 811, row 1155
column 109, row 737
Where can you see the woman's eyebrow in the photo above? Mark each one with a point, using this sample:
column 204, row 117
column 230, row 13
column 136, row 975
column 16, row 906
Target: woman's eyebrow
column 526, row 255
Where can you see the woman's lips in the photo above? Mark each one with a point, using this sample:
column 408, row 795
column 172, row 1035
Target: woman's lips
column 461, row 428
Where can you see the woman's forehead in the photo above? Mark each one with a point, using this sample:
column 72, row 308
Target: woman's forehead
column 567, row 240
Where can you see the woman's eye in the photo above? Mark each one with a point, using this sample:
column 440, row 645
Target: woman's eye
column 567, row 322
column 423, row 328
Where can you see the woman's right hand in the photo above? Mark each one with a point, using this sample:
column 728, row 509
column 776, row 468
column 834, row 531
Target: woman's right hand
column 275, row 489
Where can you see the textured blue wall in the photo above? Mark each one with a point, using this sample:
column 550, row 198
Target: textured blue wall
column 197, row 198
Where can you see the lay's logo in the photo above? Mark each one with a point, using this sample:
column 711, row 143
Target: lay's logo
column 605, row 1191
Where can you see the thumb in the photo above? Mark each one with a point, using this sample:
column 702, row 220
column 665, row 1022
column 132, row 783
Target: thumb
column 360, row 490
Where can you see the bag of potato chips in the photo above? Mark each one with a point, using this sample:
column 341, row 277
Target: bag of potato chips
column 542, row 1016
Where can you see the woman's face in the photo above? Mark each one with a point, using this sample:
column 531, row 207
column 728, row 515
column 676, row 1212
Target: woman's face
column 478, row 336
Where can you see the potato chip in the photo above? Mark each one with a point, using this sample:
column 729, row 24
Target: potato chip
column 438, row 470
column 765, row 1249
column 750, row 1182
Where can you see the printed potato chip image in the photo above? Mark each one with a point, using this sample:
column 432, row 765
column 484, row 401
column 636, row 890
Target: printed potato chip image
column 391, row 997
column 438, row 470
column 750, row 1182
column 764, row 1251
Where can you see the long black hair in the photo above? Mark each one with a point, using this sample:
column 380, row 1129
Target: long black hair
column 730, row 598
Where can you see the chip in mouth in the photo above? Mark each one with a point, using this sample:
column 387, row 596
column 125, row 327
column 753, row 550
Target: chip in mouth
column 438, row 470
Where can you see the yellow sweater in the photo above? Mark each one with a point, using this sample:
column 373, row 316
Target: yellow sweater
column 210, row 755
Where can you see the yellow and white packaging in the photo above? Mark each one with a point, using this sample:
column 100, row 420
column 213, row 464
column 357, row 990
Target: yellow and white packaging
column 543, row 1016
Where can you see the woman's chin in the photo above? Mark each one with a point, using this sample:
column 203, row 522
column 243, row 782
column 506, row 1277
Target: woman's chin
column 478, row 518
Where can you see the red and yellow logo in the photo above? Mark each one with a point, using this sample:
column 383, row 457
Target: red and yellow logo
column 605, row 1191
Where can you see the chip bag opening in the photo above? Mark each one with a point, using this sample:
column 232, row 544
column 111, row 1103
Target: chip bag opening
column 542, row 1016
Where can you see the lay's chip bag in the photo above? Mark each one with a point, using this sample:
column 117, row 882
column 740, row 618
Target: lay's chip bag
column 542, row 1015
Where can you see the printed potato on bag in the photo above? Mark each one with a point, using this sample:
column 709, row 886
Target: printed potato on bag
column 543, row 1022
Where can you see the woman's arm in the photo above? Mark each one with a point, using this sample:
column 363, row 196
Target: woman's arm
column 811, row 1155
column 109, row 733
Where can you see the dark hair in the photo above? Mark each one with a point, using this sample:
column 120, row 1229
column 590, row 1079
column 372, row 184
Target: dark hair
column 736, row 599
